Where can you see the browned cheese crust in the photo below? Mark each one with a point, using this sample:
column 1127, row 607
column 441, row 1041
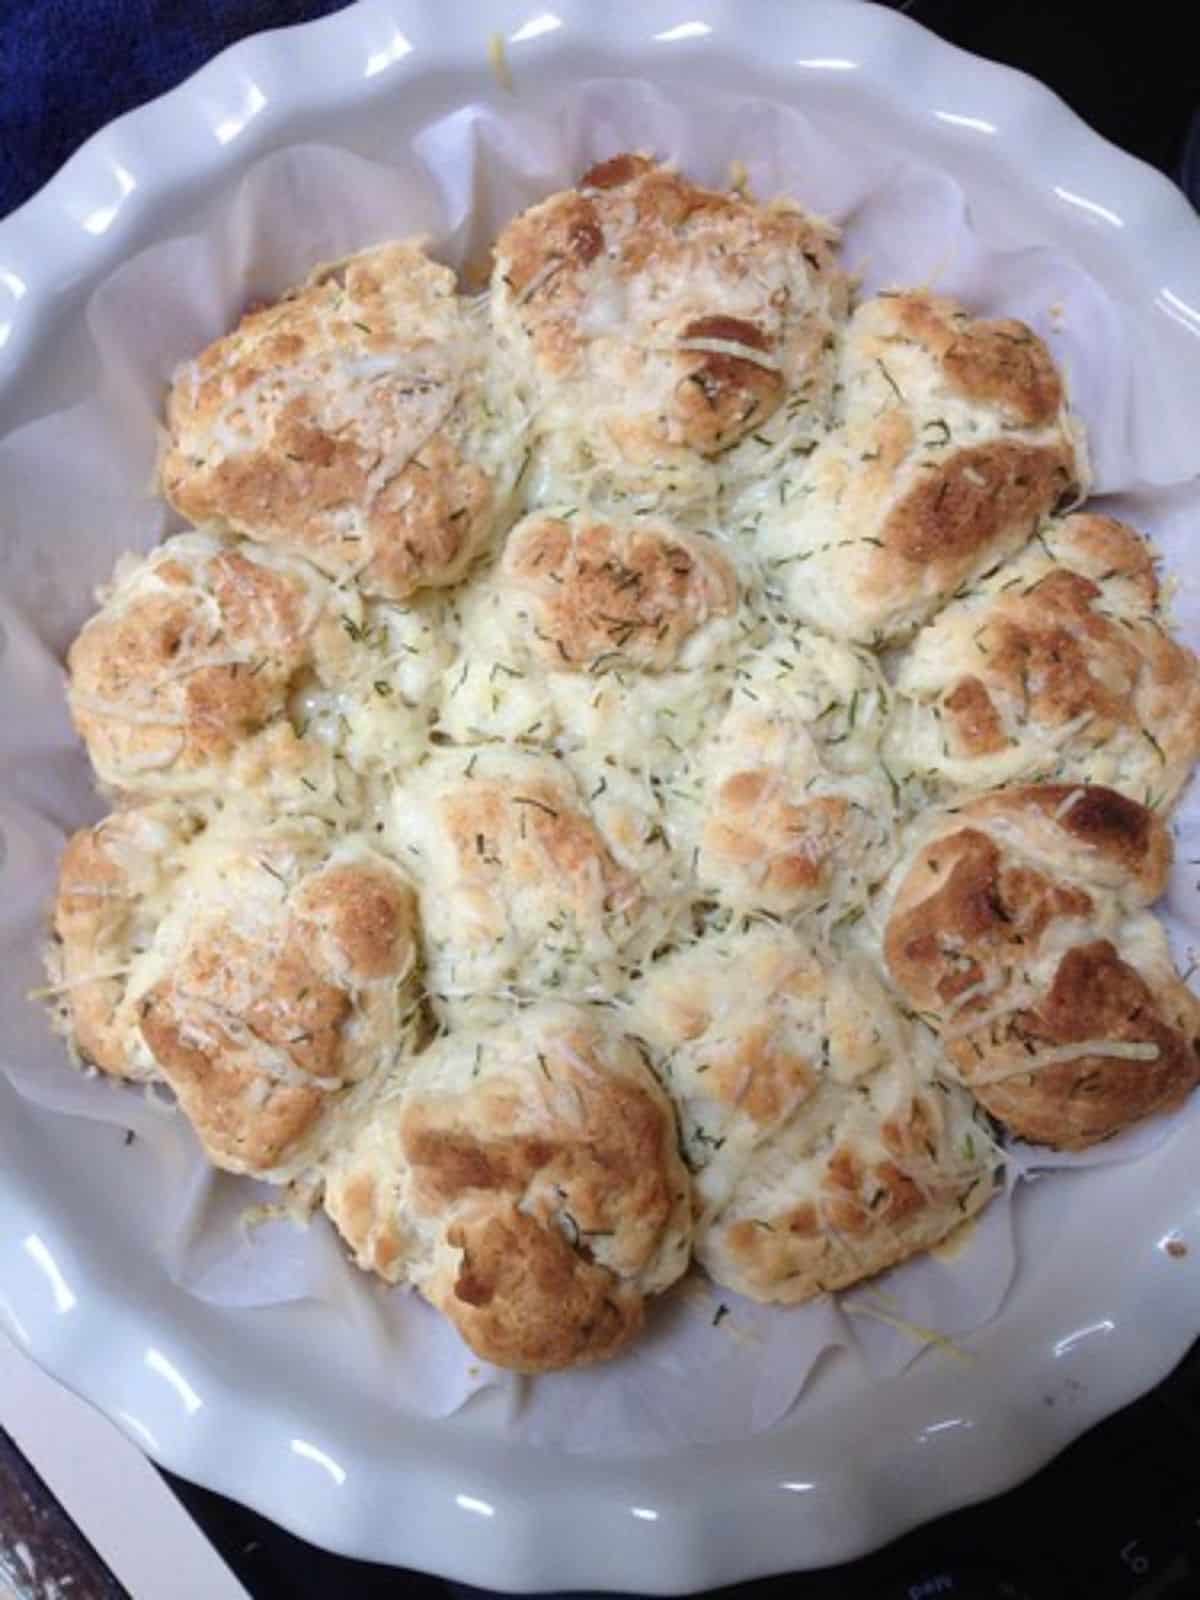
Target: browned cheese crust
column 585, row 591
column 261, row 1022
column 341, row 422
column 981, row 493
column 192, row 655
column 997, row 363
column 697, row 309
column 1018, row 932
column 1063, row 660
column 823, row 1148
column 872, row 1211
column 528, row 1182
column 519, row 887
column 952, row 442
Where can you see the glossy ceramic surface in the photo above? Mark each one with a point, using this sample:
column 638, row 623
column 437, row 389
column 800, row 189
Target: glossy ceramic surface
column 263, row 1405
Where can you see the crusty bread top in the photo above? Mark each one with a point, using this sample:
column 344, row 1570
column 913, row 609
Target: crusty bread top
column 1058, row 665
column 1017, row 931
column 345, row 422
column 998, row 872
column 782, row 831
column 526, row 1178
column 280, row 993
column 582, row 591
column 1000, row 364
column 194, row 652
column 520, row 892
column 823, row 1146
column 658, row 323
column 260, row 970
column 953, row 442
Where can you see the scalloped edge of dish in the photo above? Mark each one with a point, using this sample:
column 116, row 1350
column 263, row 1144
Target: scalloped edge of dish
column 701, row 1517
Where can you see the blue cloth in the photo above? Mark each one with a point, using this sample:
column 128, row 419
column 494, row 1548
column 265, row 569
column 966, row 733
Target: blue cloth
column 69, row 66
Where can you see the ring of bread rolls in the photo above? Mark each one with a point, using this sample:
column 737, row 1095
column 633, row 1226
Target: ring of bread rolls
column 641, row 766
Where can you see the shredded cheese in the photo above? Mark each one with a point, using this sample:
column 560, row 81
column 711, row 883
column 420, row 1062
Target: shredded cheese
column 1110, row 1049
column 49, row 990
column 912, row 1330
column 498, row 61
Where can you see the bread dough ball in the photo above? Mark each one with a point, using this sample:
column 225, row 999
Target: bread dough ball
column 1017, row 929
column 527, row 1180
column 824, row 1145
column 953, row 441
column 650, row 325
column 1057, row 666
column 349, row 422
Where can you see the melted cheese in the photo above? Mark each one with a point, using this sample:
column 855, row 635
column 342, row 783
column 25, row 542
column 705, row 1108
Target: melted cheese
column 677, row 813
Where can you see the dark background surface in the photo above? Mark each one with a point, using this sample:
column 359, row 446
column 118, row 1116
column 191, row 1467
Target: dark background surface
column 69, row 66
column 1119, row 1513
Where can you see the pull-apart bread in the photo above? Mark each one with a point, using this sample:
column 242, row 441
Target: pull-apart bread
column 652, row 326
column 952, row 441
column 640, row 765
column 527, row 1180
column 349, row 423
column 1019, row 931
column 825, row 1147
column 268, row 975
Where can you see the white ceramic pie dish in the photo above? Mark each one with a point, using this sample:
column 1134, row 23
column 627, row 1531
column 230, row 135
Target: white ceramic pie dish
column 262, row 1404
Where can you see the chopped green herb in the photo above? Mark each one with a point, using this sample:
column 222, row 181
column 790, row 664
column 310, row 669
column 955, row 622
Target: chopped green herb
column 528, row 800
column 1158, row 749
column 891, row 382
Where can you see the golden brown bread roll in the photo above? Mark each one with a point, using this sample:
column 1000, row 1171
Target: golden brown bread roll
column 196, row 651
column 1018, row 930
column 526, row 1179
column 1059, row 667
column 952, row 442
column 655, row 324
column 265, row 972
column 521, row 894
column 783, row 831
column 824, row 1145
column 348, row 422
column 582, row 591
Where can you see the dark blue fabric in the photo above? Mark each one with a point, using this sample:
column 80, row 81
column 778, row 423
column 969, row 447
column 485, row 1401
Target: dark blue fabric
column 69, row 66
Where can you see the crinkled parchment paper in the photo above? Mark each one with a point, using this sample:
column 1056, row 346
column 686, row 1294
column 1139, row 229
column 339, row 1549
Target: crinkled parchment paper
column 74, row 495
